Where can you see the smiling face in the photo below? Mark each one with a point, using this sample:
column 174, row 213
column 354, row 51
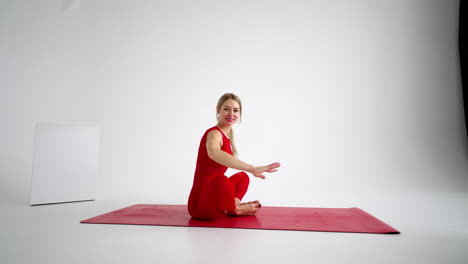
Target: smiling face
column 229, row 113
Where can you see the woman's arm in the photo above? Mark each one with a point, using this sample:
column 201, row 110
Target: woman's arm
column 214, row 142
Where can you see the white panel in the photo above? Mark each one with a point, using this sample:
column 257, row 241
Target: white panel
column 65, row 165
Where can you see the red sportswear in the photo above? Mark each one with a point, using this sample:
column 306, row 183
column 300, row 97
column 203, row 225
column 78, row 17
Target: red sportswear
column 213, row 193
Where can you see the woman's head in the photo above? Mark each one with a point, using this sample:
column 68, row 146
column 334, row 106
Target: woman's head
column 228, row 109
column 228, row 112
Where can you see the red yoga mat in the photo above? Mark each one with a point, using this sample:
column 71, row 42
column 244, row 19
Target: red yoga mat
column 352, row 220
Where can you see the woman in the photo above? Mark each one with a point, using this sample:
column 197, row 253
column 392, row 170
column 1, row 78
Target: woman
column 213, row 194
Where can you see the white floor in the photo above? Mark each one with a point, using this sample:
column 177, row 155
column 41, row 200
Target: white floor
column 434, row 230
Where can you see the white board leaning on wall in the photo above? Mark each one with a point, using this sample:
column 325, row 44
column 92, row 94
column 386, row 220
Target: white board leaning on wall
column 65, row 163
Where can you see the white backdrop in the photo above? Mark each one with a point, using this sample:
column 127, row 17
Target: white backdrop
column 350, row 96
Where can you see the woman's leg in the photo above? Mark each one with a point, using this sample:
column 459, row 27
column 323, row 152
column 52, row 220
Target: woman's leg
column 240, row 183
column 216, row 197
column 222, row 195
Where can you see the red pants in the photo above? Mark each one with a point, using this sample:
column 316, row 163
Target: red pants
column 213, row 198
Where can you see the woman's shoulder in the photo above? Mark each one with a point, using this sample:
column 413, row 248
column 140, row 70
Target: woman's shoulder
column 210, row 130
column 214, row 130
column 213, row 135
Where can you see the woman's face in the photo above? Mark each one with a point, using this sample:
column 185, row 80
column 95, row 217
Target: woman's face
column 229, row 112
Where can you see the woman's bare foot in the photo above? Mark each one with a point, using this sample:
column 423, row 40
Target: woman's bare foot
column 250, row 208
column 256, row 203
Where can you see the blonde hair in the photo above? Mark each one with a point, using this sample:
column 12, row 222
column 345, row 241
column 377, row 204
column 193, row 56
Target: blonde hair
column 221, row 101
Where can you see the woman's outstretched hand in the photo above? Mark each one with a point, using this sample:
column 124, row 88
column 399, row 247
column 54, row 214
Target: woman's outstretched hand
column 259, row 170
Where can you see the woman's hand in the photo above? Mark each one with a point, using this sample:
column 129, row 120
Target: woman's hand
column 259, row 170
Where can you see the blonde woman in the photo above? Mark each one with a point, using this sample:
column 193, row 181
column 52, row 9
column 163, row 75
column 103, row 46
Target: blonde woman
column 213, row 194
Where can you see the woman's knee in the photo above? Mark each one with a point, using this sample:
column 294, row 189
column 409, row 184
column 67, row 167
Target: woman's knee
column 245, row 177
column 242, row 177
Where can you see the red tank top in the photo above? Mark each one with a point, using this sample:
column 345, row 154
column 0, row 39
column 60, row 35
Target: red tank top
column 207, row 168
